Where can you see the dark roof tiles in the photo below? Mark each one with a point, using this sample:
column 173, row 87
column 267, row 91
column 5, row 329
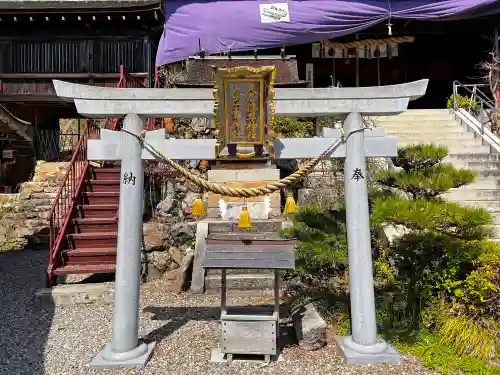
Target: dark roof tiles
column 199, row 71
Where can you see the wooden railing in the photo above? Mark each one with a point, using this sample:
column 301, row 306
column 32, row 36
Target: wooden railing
column 66, row 199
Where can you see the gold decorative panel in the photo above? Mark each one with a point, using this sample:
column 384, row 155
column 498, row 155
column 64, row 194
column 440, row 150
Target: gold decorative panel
column 244, row 109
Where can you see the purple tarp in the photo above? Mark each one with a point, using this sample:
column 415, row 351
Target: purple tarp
column 218, row 24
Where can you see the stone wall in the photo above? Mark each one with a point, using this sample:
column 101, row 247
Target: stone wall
column 24, row 216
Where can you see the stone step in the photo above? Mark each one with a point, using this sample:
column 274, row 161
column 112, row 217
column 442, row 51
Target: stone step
column 424, row 126
column 450, row 143
column 427, row 111
column 445, row 137
column 241, row 281
column 473, row 157
column 484, row 183
column 428, row 130
column 462, row 194
column 436, row 118
column 496, row 230
column 454, row 149
column 238, row 271
column 491, row 206
column 265, row 294
column 478, row 165
column 489, row 173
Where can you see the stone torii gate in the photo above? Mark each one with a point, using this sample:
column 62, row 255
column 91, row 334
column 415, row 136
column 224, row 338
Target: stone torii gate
column 125, row 350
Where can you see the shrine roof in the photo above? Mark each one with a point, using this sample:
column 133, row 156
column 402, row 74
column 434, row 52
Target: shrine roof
column 12, row 124
column 199, row 71
column 74, row 4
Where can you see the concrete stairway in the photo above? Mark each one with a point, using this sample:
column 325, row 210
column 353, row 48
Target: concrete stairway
column 439, row 126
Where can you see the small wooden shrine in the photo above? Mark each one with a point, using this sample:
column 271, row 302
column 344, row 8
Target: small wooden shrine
column 248, row 330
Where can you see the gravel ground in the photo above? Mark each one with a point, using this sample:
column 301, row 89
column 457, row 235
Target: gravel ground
column 63, row 340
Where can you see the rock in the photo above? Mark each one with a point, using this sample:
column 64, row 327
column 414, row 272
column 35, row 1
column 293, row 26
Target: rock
column 310, row 328
column 161, row 260
column 173, row 266
column 187, row 202
column 393, row 232
column 182, row 274
column 165, row 206
column 171, row 274
column 194, row 163
column 176, row 254
column 25, row 215
column 155, row 236
column 182, row 233
column 152, row 273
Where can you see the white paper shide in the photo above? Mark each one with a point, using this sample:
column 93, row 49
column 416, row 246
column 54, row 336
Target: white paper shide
column 277, row 12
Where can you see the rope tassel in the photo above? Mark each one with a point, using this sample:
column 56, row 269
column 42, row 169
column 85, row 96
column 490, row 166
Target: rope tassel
column 197, row 208
column 245, row 221
column 290, row 205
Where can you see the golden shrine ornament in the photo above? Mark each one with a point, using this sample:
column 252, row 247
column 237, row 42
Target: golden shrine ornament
column 243, row 111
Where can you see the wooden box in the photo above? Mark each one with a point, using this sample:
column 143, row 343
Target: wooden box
column 251, row 331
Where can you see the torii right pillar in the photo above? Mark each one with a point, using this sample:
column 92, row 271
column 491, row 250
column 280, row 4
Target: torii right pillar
column 363, row 346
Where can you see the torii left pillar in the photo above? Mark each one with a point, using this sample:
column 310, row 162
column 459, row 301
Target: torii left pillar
column 125, row 350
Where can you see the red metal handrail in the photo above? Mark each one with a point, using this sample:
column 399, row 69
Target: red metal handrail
column 66, row 198
column 69, row 192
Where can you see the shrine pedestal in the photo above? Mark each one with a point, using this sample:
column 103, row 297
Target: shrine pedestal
column 248, row 330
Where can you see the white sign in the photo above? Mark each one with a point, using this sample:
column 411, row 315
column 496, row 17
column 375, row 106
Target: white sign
column 271, row 13
column 310, row 74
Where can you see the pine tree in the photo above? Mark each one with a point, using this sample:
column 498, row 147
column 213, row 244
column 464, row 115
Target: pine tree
column 415, row 184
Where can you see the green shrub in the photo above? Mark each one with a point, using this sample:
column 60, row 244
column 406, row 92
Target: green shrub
column 322, row 248
column 464, row 102
column 448, row 218
column 436, row 354
column 292, row 128
column 424, row 175
column 468, row 336
column 480, row 294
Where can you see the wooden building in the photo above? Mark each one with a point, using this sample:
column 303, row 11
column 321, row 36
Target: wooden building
column 17, row 156
column 443, row 51
column 84, row 41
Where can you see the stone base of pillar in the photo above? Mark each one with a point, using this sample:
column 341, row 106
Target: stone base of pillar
column 137, row 357
column 355, row 354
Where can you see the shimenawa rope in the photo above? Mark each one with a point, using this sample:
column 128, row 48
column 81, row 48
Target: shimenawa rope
column 243, row 192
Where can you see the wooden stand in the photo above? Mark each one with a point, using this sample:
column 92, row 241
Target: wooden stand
column 249, row 330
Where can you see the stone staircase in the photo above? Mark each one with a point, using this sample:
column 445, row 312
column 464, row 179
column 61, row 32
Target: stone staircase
column 466, row 150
